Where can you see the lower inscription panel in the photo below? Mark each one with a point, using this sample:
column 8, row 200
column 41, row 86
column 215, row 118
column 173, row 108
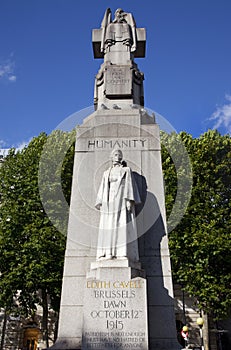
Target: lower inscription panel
column 115, row 315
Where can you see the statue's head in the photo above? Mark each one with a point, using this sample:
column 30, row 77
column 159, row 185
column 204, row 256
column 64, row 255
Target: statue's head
column 119, row 15
column 116, row 156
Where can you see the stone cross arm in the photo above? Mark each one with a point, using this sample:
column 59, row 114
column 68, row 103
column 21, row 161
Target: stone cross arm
column 140, row 47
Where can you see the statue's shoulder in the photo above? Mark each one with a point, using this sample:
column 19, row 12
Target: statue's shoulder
column 126, row 169
column 107, row 172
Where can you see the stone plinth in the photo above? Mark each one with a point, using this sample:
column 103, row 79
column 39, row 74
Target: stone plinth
column 138, row 136
column 115, row 309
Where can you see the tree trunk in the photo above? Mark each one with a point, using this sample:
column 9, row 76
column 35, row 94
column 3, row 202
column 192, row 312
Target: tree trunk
column 56, row 326
column 3, row 330
column 206, row 331
column 45, row 316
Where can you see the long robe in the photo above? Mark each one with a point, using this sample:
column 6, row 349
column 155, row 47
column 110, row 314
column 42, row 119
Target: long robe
column 117, row 229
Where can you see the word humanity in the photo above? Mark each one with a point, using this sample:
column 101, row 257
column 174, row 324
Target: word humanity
column 129, row 143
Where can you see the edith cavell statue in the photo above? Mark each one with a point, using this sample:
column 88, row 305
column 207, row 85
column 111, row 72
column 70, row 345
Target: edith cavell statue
column 116, row 199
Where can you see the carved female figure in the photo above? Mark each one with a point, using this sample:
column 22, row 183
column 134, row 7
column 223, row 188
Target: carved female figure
column 116, row 199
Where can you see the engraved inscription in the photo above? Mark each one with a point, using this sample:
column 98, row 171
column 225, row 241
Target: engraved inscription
column 110, row 144
column 114, row 307
column 118, row 81
column 117, row 77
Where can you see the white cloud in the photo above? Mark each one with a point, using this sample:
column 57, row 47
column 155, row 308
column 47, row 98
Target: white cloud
column 7, row 69
column 2, row 143
column 4, row 152
column 12, row 78
column 19, row 146
column 222, row 116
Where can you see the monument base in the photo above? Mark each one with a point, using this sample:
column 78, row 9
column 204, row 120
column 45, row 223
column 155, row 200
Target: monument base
column 115, row 307
column 99, row 269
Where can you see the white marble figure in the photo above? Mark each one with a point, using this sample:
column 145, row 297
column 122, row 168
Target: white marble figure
column 116, row 199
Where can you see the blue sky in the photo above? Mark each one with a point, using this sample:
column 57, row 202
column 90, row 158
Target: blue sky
column 47, row 67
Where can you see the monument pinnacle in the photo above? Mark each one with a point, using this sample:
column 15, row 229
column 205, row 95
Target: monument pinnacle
column 117, row 285
column 119, row 80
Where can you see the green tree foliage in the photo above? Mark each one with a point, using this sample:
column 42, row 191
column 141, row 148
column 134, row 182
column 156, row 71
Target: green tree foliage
column 200, row 245
column 31, row 248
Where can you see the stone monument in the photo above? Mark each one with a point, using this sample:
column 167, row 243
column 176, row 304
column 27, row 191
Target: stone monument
column 117, row 284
